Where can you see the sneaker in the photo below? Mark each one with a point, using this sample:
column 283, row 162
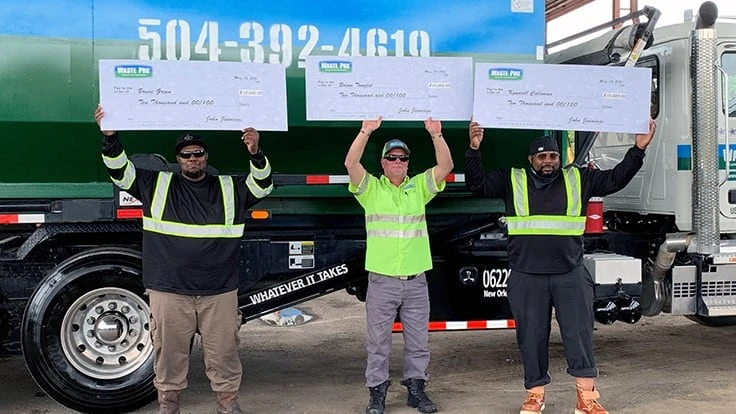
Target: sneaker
column 588, row 403
column 534, row 403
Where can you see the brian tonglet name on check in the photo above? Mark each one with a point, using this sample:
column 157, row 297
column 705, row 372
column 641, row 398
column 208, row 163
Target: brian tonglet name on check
column 396, row 88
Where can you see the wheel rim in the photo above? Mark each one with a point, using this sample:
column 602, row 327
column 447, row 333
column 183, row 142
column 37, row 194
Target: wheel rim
column 105, row 334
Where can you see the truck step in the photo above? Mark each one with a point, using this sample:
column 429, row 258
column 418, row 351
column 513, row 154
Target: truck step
column 720, row 307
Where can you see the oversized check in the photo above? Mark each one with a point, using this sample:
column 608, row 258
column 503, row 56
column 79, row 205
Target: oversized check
column 397, row 88
column 562, row 97
column 192, row 95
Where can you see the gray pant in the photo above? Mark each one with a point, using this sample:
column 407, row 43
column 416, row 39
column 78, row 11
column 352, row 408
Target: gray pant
column 410, row 298
column 174, row 321
column 532, row 297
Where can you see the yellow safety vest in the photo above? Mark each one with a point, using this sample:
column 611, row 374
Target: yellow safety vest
column 396, row 225
column 156, row 224
column 570, row 224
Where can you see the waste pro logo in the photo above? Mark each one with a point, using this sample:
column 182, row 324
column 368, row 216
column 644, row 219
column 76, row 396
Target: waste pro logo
column 505, row 74
column 133, row 71
column 335, row 66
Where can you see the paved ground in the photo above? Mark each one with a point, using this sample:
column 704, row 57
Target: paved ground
column 661, row 365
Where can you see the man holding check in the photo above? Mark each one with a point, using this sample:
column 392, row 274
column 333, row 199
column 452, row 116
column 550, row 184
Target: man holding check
column 192, row 225
column 397, row 256
column 545, row 213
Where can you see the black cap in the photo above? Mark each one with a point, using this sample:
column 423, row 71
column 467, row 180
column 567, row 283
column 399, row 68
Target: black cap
column 189, row 139
column 543, row 144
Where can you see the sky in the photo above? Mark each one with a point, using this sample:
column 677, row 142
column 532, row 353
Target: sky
column 599, row 11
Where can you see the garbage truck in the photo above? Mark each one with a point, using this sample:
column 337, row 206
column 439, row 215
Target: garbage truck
column 71, row 297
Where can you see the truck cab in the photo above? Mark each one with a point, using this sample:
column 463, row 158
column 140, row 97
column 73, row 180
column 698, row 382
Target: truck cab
column 678, row 214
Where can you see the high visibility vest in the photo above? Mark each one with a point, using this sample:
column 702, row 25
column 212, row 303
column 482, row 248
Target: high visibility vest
column 155, row 222
column 396, row 224
column 570, row 224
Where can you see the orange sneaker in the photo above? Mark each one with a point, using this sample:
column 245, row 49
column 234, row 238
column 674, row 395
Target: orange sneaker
column 534, row 403
column 588, row 403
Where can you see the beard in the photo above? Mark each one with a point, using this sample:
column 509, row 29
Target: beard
column 194, row 175
column 546, row 174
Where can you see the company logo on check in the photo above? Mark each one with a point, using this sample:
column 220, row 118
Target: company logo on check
column 335, row 66
column 505, row 74
column 133, row 71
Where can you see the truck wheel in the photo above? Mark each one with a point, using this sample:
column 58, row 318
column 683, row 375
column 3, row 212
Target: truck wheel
column 716, row 321
column 85, row 333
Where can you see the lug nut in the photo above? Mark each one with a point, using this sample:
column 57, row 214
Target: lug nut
column 125, row 309
column 133, row 332
column 98, row 344
column 91, row 320
column 111, row 348
column 99, row 310
column 90, row 334
column 112, row 305
column 133, row 319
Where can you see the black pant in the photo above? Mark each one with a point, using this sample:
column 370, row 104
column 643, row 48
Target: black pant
column 532, row 297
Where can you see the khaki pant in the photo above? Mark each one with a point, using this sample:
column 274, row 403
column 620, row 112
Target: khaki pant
column 174, row 321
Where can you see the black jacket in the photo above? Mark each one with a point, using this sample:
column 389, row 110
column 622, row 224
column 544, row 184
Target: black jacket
column 183, row 265
column 548, row 254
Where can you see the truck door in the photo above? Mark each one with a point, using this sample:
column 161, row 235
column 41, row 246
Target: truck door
column 727, row 134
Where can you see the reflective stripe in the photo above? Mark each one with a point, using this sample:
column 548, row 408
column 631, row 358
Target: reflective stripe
column 157, row 225
column 571, row 224
column 228, row 198
column 431, row 185
column 260, row 173
column 520, row 192
column 572, row 188
column 115, row 163
column 128, row 177
column 392, row 218
column 401, row 234
column 192, row 230
column 254, row 188
column 546, row 225
column 159, row 195
column 363, row 184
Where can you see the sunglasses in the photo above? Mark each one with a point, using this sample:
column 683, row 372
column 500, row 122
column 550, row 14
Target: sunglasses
column 195, row 154
column 392, row 157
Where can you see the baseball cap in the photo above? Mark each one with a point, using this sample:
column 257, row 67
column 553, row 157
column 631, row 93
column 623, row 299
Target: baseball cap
column 395, row 143
column 543, row 144
column 189, row 139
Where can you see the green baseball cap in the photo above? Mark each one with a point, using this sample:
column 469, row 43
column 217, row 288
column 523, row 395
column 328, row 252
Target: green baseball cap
column 395, row 143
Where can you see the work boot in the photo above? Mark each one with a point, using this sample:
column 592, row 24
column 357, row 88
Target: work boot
column 227, row 403
column 168, row 402
column 377, row 403
column 534, row 403
column 417, row 398
column 588, row 403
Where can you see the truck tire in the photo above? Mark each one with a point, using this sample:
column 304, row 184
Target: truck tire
column 716, row 321
column 85, row 333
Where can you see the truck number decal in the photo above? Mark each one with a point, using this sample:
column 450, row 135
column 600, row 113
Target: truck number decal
column 495, row 282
